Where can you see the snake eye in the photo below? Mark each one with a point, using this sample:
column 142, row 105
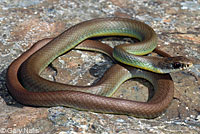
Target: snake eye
column 177, row 65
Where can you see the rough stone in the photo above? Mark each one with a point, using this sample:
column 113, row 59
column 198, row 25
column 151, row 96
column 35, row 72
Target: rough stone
column 22, row 23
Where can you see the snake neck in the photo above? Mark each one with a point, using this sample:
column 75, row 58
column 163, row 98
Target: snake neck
column 154, row 64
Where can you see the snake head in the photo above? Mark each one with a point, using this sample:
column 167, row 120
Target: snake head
column 172, row 64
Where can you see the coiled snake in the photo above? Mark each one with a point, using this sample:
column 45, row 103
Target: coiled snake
column 27, row 87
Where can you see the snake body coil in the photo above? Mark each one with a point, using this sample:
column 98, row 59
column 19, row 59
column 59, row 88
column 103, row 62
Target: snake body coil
column 30, row 89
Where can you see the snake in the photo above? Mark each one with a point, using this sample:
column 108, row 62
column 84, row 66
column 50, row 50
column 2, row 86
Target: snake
column 27, row 86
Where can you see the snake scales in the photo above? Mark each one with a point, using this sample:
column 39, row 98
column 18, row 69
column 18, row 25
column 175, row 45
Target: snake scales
column 27, row 87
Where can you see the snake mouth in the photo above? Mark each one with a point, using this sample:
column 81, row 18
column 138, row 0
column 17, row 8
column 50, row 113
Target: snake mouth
column 187, row 66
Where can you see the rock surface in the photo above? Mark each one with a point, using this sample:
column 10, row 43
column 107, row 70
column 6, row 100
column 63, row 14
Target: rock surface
column 23, row 22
